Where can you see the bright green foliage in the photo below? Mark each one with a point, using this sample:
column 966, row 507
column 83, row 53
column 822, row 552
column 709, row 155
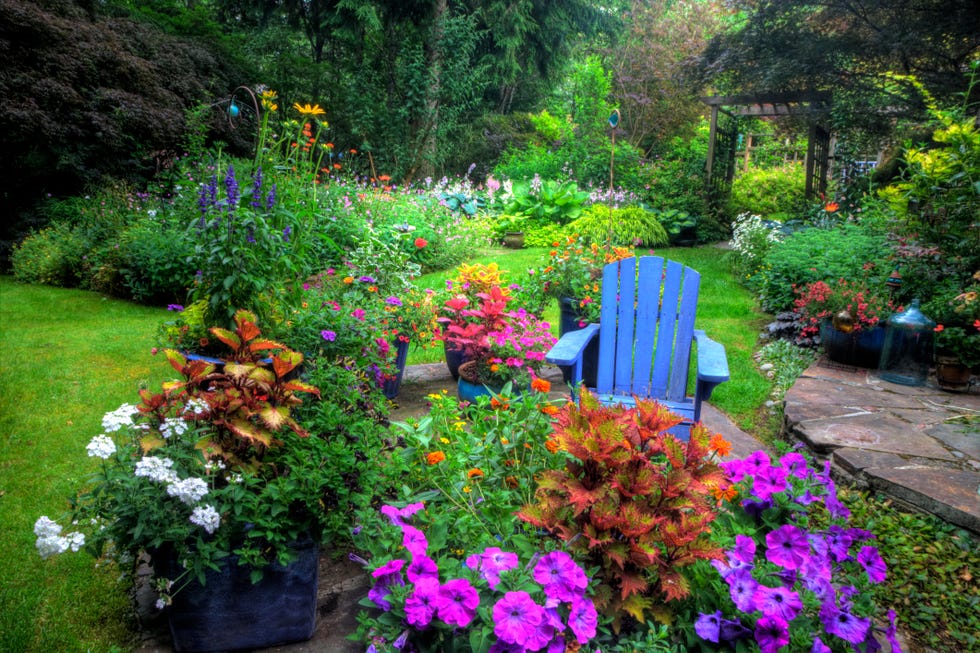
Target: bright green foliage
column 633, row 502
column 770, row 192
column 818, row 254
column 52, row 256
column 935, row 591
column 631, row 227
column 676, row 223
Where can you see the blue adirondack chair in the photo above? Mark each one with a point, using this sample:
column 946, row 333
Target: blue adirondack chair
column 645, row 332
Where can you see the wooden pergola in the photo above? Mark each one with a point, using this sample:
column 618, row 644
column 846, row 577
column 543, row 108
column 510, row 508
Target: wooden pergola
column 812, row 106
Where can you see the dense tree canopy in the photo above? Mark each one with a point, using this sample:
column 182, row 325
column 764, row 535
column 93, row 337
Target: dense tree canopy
column 845, row 46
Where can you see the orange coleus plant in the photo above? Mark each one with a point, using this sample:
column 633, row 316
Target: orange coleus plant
column 634, row 502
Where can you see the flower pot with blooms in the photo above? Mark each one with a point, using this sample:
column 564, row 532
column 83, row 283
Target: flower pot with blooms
column 574, row 271
column 499, row 346
column 794, row 574
column 462, row 294
column 957, row 333
column 212, row 475
column 849, row 316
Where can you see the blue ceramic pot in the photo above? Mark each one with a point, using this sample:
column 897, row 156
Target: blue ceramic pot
column 858, row 348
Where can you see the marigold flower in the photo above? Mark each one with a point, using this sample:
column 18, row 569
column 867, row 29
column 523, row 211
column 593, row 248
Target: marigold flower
column 552, row 445
column 720, row 445
column 541, row 385
column 476, row 472
column 435, row 457
column 549, row 409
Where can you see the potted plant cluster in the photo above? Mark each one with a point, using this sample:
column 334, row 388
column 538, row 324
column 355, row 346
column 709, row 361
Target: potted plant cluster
column 957, row 335
column 849, row 317
column 498, row 346
column 214, row 481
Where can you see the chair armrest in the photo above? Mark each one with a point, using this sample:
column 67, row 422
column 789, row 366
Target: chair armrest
column 571, row 346
column 712, row 361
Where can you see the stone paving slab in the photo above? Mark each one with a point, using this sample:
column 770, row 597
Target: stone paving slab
column 912, row 443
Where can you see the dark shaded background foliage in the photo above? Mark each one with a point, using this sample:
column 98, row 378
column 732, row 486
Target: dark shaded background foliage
column 88, row 96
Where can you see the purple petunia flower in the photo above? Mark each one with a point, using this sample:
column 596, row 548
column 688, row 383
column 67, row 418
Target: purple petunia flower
column 769, row 481
column 778, row 601
column 414, row 540
column 843, row 624
column 491, row 563
column 175, row 307
column 420, row 568
column 733, row 630
column 755, row 509
column 420, row 605
column 838, row 540
column 516, row 616
column 795, row 464
column 771, row 633
column 328, row 335
column 742, row 587
column 787, row 547
column 393, row 301
column 744, row 550
column 397, row 516
column 708, row 626
column 560, row 576
column 820, row 647
column 387, row 575
column 870, row 559
column 891, row 633
column 458, row 601
column 583, row 619
column 366, row 279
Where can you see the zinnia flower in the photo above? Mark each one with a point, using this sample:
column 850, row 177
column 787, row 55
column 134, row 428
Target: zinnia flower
column 435, row 457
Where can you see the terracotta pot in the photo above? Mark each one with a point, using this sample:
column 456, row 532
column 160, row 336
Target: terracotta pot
column 951, row 374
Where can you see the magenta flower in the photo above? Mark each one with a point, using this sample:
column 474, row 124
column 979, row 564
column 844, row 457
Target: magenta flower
column 583, row 619
column 771, row 634
column 769, row 481
column 393, row 301
column 820, row 647
column 421, row 567
column 891, row 632
column 778, row 601
column 560, row 577
column 458, row 601
column 491, row 563
column 838, row 541
column 516, row 616
column 358, row 313
column 414, row 540
column 787, row 547
column 397, row 516
column 387, row 575
column 795, row 464
column 420, row 605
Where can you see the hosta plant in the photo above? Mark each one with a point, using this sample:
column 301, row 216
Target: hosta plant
column 635, row 503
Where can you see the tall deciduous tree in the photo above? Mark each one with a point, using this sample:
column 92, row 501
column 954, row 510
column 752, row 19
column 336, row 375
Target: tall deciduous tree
column 656, row 97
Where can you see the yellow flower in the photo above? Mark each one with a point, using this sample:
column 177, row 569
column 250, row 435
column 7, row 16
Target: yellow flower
column 309, row 110
column 444, row 440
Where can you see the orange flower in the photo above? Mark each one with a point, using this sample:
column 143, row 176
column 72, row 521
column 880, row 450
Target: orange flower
column 552, row 445
column 511, row 482
column 495, row 367
column 541, row 385
column 720, row 445
column 939, row 328
column 476, row 472
column 499, row 404
column 348, row 279
column 435, row 457
column 831, row 207
column 549, row 409
column 336, row 166
column 724, row 494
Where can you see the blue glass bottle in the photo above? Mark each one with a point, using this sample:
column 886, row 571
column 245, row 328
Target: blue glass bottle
column 907, row 353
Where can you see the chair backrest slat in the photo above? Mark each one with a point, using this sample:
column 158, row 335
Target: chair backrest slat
column 646, row 328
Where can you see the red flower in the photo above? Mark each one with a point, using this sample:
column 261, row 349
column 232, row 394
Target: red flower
column 421, row 242
column 939, row 328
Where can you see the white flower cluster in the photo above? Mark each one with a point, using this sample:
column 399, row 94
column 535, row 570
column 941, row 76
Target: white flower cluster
column 51, row 542
column 207, row 518
column 172, row 426
column 116, row 419
column 156, row 469
column 188, row 490
column 101, row 446
column 195, row 406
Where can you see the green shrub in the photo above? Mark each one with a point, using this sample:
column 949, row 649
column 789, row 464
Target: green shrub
column 543, row 234
column 674, row 178
column 768, row 191
column 52, row 256
column 627, row 227
column 818, row 254
column 154, row 262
